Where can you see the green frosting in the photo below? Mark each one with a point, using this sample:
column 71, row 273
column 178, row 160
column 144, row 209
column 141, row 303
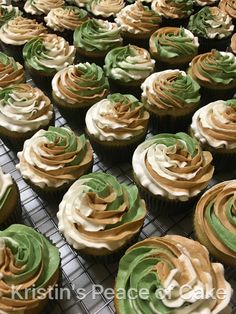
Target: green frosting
column 173, row 45
column 33, row 254
column 125, row 100
column 102, row 184
column 69, row 141
column 7, row 13
column 4, row 197
column 222, row 233
column 207, row 24
column 6, row 60
column 231, row 102
column 97, row 35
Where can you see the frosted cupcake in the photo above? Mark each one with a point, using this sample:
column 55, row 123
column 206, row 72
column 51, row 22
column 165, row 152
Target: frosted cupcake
column 137, row 22
column 213, row 27
column 168, row 273
column 214, row 221
column 10, row 208
column 171, row 97
column 46, row 55
column 173, row 47
column 116, row 125
column 52, row 160
column 214, row 126
column 39, row 8
column 229, row 7
column 95, row 38
column 30, row 270
column 18, row 31
column 23, row 111
column 105, row 9
column 171, row 171
column 7, row 13
column 100, row 217
column 11, row 72
column 76, row 88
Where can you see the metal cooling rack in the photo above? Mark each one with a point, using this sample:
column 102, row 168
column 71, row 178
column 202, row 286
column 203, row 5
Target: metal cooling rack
column 78, row 273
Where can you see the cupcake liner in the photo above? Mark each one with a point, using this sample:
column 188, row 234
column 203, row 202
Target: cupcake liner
column 175, row 22
column 67, row 34
column 161, row 206
column 161, row 66
column 91, row 57
column 209, row 94
column 13, row 51
column 197, row 8
column 133, row 88
column 206, row 45
column 223, row 160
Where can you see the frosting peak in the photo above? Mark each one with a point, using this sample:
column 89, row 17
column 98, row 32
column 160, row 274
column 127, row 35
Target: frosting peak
column 11, row 72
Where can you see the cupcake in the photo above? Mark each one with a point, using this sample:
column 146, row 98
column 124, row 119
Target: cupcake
column 232, row 47
column 215, row 72
column 10, row 208
column 174, row 12
column 23, row 111
column 38, row 8
column 11, row 72
column 94, row 38
column 100, row 217
column 18, row 31
column 46, row 55
column 7, row 13
column 128, row 67
column 214, row 126
column 173, row 47
column 229, row 7
column 76, row 88
column 171, row 171
column 170, row 274
column 171, row 97
column 214, row 221
column 116, row 126
column 63, row 21
column 213, row 27
column 30, row 268
column 105, row 9
column 137, row 22
column 52, row 160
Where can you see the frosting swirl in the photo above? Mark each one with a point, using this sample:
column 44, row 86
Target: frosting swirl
column 211, row 22
column 19, row 30
column 7, row 13
column 49, row 53
column 39, row 7
column 6, row 184
column 170, row 89
column 11, row 72
column 119, row 117
column 173, row 9
column 173, row 44
column 100, row 213
column 28, row 263
column 215, row 217
column 55, row 157
column 233, row 44
column 172, row 166
column 128, row 64
column 80, row 84
column 214, row 68
column 172, row 269
column 138, row 19
column 97, row 35
column 24, row 108
column 229, row 7
column 105, row 8
column 68, row 17
column 215, row 124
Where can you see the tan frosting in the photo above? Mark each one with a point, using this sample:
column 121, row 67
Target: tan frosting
column 220, row 194
column 233, row 43
column 20, row 30
column 38, row 7
column 170, row 9
column 105, row 8
column 229, row 6
column 135, row 19
column 10, row 75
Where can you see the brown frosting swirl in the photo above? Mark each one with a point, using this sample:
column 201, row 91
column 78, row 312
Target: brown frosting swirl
column 172, row 9
column 229, row 6
column 38, row 7
column 11, row 72
column 233, row 44
column 105, row 8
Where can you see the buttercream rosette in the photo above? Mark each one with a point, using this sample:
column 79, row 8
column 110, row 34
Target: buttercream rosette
column 215, row 221
column 173, row 9
column 98, row 215
column 171, row 167
column 7, row 13
column 233, row 44
column 11, row 72
column 29, row 266
column 229, row 7
column 55, row 158
column 170, row 274
column 39, row 7
column 105, row 8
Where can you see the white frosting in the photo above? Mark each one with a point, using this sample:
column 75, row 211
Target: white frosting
column 123, row 16
column 215, row 28
column 5, row 182
column 105, row 8
column 205, row 116
column 16, row 114
column 190, row 35
column 203, row 3
column 96, row 122
column 38, row 7
column 157, row 156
